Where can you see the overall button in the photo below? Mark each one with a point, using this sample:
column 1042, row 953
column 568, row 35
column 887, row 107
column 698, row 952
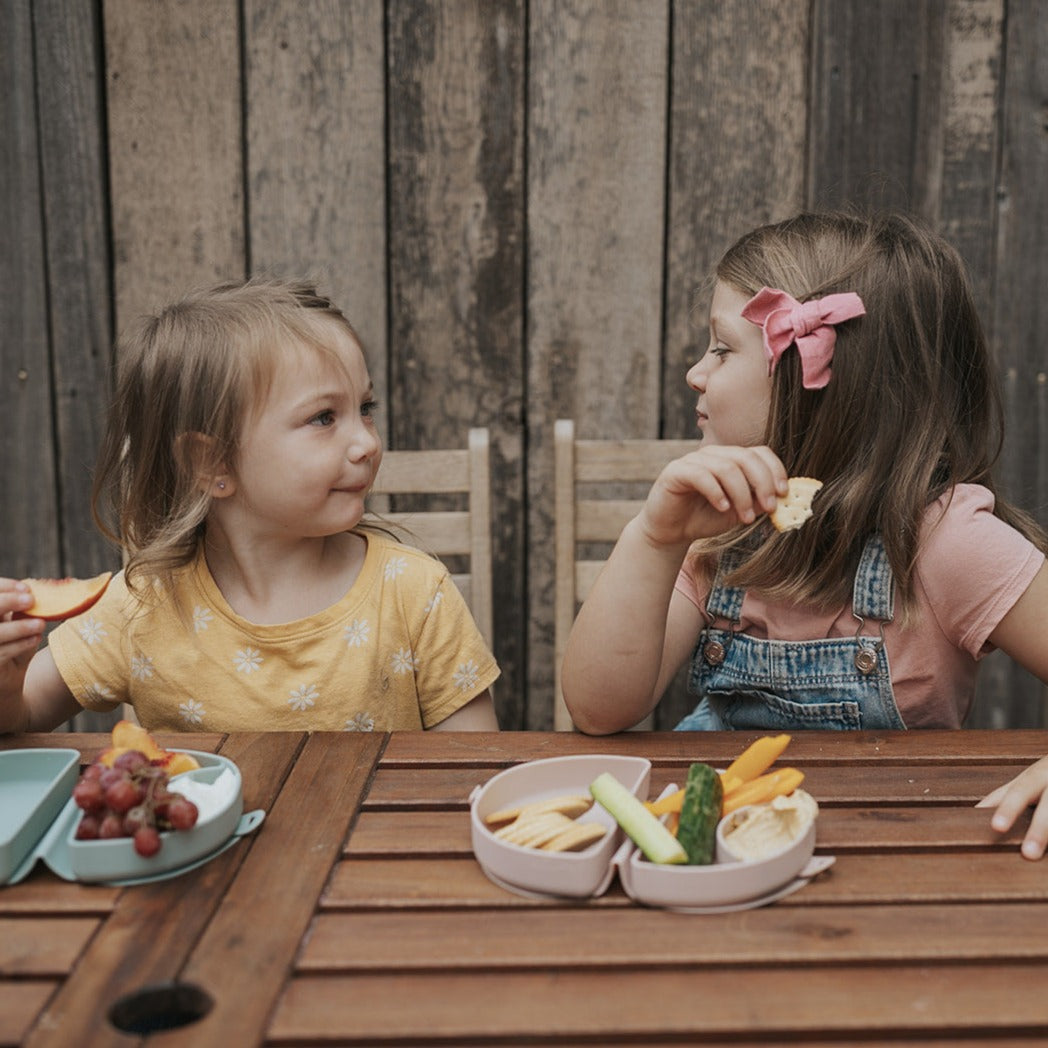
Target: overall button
column 713, row 653
column 866, row 661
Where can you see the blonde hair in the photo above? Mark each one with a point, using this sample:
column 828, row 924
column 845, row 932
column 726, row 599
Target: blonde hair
column 201, row 365
column 912, row 408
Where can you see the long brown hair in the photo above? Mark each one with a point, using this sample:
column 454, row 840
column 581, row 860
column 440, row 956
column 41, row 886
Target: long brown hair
column 199, row 366
column 911, row 410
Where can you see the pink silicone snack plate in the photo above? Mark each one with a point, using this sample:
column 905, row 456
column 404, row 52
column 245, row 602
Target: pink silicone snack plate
column 725, row 883
column 577, row 874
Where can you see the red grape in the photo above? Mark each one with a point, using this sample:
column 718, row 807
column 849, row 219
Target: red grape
column 87, row 828
column 112, row 825
column 147, row 841
column 181, row 813
column 89, row 795
column 123, row 796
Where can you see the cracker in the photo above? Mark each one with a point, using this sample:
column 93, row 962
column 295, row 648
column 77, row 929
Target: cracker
column 795, row 508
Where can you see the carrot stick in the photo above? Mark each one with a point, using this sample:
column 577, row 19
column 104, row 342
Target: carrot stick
column 758, row 757
column 672, row 801
column 763, row 789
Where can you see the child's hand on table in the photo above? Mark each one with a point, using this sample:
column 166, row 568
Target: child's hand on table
column 1030, row 787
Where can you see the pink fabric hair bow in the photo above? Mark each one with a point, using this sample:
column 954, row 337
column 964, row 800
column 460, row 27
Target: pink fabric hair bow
column 809, row 324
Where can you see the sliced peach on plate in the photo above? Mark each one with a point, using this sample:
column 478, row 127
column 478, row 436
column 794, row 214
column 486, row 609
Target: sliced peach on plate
column 127, row 735
column 62, row 598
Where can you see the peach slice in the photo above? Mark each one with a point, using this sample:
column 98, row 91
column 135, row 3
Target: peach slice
column 127, row 735
column 62, row 598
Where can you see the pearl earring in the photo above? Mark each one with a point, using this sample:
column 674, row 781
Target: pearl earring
column 221, row 485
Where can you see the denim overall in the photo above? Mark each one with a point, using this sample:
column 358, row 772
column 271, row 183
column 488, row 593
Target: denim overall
column 779, row 685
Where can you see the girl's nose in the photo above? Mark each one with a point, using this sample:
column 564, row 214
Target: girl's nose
column 696, row 376
column 364, row 444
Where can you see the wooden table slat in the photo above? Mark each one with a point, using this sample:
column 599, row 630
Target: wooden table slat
column 154, row 926
column 246, row 953
column 357, row 913
column 605, row 1006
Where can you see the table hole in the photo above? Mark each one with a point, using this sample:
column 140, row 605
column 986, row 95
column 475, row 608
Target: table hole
column 166, row 1006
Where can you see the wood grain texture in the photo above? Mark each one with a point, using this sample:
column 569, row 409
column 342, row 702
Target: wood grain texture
column 316, row 157
column 456, row 240
column 597, row 88
column 175, row 150
column 30, row 517
column 154, row 927
column 1020, row 316
column 518, row 204
column 73, row 178
column 244, row 961
column 607, row 1006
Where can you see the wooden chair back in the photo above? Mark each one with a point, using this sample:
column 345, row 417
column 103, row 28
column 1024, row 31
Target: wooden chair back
column 599, row 486
column 444, row 476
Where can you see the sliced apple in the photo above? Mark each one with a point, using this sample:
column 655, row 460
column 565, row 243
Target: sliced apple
column 63, row 598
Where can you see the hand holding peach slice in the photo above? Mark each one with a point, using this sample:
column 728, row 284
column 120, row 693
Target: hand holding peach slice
column 128, row 736
column 62, row 598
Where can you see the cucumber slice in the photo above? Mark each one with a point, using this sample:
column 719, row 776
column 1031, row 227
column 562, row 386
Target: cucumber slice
column 699, row 814
column 643, row 828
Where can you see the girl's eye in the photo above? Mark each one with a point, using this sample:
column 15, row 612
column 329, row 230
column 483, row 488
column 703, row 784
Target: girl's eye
column 720, row 352
column 368, row 408
column 323, row 418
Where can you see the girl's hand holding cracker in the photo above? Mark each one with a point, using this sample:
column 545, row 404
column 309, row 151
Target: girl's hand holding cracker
column 710, row 490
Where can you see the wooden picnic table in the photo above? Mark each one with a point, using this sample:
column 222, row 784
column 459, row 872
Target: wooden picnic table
column 357, row 914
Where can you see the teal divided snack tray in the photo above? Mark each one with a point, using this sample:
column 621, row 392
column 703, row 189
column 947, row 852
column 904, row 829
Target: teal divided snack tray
column 34, row 787
column 116, row 861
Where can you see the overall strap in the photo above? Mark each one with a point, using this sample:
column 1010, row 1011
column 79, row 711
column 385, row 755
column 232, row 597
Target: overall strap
column 873, row 596
column 725, row 602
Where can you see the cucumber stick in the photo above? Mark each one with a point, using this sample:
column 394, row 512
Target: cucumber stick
column 699, row 814
column 643, row 828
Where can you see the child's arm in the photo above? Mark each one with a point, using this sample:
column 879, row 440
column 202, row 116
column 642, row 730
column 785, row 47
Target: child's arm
column 632, row 633
column 1030, row 787
column 476, row 715
column 33, row 696
column 1021, row 633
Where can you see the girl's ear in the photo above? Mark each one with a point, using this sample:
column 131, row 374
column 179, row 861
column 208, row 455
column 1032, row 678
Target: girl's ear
column 198, row 457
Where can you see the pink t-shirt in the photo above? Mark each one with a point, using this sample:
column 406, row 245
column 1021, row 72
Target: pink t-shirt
column 971, row 569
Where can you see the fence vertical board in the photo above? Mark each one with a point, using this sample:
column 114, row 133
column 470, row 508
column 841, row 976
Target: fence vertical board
column 1021, row 313
column 736, row 159
column 27, row 465
column 876, row 112
column 72, row 146
column 316, row 154
column 596, row 201
column 175, row 150
column 456, row 236
column 967, row 184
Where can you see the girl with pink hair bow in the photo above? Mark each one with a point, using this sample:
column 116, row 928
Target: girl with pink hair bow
column 849, row 350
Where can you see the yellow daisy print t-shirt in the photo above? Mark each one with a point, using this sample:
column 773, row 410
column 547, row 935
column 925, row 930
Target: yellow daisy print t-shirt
column 399, row 651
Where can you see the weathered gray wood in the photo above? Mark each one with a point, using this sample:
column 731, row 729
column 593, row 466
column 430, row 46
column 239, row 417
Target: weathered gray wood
column 315, row 128
column 598, row 81
column 30, row 517
column 1021, row 316
column 736, row 160
column 456, row 236
column 175, row 149
column 72, row 148
column 384, row 146
column 876, row 120
column 967, row 182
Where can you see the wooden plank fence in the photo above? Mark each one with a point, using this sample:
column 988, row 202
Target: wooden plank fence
column 517, row 203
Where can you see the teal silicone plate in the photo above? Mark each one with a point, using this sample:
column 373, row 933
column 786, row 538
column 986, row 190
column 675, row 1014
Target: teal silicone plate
column 34, row 786
column 117, row 862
